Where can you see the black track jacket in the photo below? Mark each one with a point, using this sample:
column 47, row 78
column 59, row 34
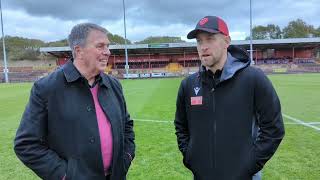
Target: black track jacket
column 228, row 128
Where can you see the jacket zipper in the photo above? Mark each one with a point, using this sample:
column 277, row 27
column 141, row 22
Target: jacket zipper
column 214, row 130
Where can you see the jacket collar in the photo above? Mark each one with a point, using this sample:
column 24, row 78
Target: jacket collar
column 232, row 66
column 70, row 71
column 72, row 74
column 208, row 75
column 105, row 80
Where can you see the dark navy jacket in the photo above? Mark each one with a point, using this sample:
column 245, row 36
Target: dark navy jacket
column 217, row 136
column 59, row 133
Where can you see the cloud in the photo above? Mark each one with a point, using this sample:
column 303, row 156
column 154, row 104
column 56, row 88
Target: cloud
column 18, row 23
column 52, row 20
column 67, row 10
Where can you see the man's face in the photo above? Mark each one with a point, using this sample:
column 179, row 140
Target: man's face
column 211, row 48
column 95, row 53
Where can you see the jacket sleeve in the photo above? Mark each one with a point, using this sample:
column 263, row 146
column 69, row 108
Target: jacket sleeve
column 129, row 136
column 180, row 122
column 30, row 142
column 269, row 120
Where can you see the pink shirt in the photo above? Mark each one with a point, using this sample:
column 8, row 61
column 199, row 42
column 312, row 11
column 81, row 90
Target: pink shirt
column 105, row 130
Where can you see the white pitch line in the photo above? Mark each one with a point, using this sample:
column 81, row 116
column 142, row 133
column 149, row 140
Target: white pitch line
column 310, row 123
column 297, row 121
column 301, row 122
column 151, row 120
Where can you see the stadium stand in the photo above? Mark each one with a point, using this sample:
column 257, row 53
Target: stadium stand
column 26, row 74
column 178, row 59
column 174, row 67
column 272, row 56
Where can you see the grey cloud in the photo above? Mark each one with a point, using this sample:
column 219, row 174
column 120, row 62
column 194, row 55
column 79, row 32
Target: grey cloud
column 165, row 13
column 94, row 10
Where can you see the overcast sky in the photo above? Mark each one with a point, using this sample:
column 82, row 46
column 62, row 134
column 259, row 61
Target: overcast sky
column 51, row 20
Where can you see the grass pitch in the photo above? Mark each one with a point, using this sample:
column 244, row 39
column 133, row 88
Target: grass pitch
column 157, row 156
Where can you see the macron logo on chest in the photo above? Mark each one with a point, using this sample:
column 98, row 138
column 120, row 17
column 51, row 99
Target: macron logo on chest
column 196, row 90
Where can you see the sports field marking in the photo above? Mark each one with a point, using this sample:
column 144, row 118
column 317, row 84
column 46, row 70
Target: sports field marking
column 310, row 123
column 296, row 121
column 301, row 122
column 152, row 120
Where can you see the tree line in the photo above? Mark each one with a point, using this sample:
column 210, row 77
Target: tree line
column 295, row 29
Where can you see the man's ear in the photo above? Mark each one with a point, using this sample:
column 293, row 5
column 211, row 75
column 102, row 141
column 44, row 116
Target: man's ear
column 227, row 40
column 78, row 51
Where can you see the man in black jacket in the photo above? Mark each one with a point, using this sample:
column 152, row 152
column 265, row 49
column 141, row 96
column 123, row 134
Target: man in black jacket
column 76, row 124
column 228, row 116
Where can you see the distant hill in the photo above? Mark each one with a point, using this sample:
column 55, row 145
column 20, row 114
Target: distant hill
column 160, row 39
column 20, row 48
